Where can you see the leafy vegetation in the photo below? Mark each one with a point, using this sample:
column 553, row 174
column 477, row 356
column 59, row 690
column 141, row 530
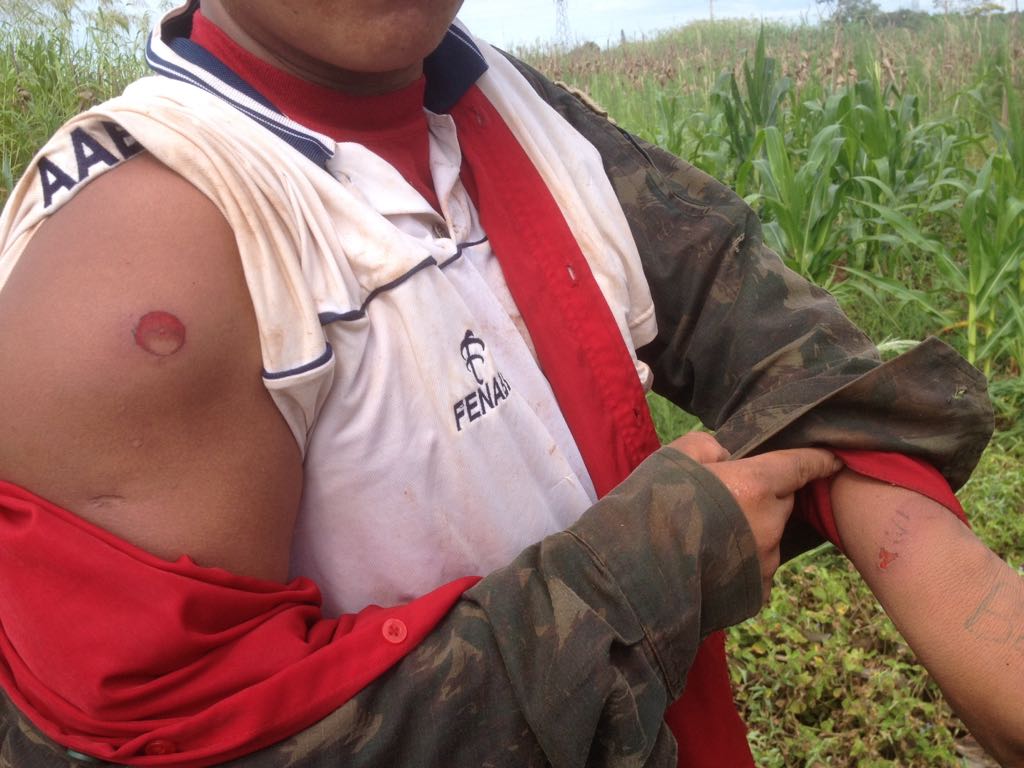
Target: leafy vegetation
column 58, row 59
column 886, row 162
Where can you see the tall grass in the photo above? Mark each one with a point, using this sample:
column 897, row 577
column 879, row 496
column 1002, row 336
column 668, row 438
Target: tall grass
column 58, row 59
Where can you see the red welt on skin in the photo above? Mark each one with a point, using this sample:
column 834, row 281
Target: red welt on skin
column 160, row 333
column 886, row 558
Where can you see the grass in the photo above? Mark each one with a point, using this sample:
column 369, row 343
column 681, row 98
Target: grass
column 57, row 60
column 885, row 162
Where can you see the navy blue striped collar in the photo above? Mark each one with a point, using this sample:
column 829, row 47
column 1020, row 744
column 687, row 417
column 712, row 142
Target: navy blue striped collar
column 450, row 71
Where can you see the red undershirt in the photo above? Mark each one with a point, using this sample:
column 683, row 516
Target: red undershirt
column 392, row 125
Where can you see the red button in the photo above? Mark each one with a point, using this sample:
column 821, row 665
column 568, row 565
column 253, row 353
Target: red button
column 395, row 631
column 160, row 747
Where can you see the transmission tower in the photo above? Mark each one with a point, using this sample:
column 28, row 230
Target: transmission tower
column 562, row 22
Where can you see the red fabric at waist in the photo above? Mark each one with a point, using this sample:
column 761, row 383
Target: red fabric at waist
column 108, row 649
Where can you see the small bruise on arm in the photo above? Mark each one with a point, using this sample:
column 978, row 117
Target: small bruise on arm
column 159, row 333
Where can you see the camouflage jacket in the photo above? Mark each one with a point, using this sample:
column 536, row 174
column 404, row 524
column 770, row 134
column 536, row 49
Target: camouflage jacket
column 762, row 356
column 569, row 655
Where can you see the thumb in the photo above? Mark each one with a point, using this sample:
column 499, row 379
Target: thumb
column 793, row 468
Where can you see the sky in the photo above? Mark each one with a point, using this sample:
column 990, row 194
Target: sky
column 508, row 23
column 512, row 23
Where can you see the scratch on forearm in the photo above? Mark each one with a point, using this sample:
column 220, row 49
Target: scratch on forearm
column 999, row 617
column 895, row 536
column 886, row 558
column 900, row 531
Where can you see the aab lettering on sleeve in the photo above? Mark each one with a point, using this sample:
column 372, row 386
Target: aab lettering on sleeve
column 89, row 152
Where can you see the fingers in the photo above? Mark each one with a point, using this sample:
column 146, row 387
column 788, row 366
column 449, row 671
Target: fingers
column 770, row 562
column 763, row 487
column 701, row 447
column 790, row 470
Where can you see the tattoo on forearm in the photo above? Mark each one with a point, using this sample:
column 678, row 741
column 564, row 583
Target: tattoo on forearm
column 999, row 617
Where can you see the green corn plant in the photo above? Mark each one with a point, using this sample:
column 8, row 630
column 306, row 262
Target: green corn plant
column 1012, row 139
column 709, row 149
column 671, row 130
column 1009, row 135
column 805, row 117
column 993, row 226
column 982, row 276
column 802, row 204
column 752, row 108
column 1015, row 342
column 884, row 118
column 928, row 188
column 835, row 109
column 995, row 105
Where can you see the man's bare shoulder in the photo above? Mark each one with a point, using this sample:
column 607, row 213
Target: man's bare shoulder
column 131, row 360
column 133, row 286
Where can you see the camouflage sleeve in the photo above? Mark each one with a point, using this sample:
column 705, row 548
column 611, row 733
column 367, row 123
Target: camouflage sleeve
column 567, row 657
column 758, row 353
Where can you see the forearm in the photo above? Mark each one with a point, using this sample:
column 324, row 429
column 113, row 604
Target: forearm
column 958, row 605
